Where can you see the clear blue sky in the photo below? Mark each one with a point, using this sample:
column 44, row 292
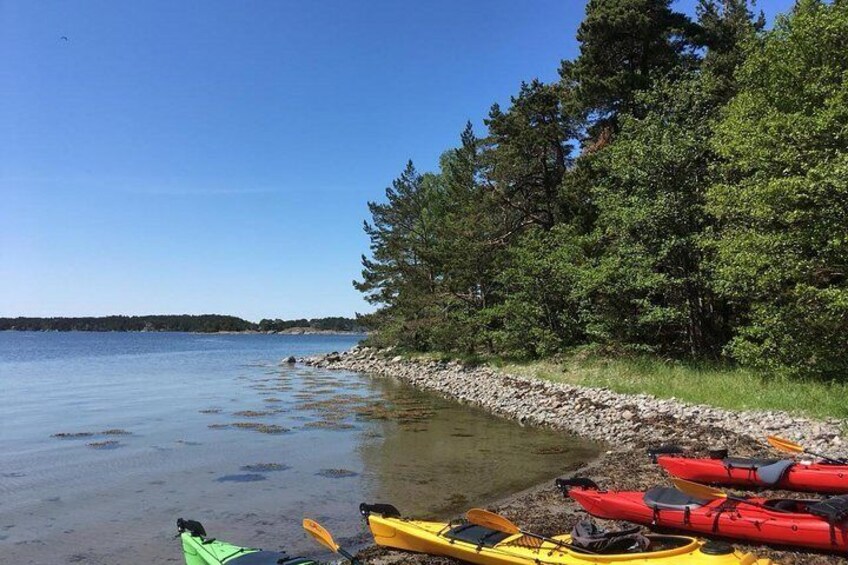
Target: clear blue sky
column 216, row 157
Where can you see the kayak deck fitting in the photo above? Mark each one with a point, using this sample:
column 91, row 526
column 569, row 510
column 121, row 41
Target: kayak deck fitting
column 201, row 550
column 820, row 476
column 814, row 524
column 484, row 546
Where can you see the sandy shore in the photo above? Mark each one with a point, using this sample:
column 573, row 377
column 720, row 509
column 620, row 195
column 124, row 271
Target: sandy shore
column 628, row 423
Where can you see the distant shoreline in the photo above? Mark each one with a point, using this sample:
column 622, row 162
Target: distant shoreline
column 188, row 323
column 292, row 331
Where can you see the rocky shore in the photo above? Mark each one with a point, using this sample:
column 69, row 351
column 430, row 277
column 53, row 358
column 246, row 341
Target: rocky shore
column 627, row 423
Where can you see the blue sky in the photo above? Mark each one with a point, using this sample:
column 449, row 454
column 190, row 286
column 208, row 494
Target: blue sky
column 216, row 157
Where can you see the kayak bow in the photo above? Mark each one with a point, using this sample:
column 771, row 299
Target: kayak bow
column 201, row 550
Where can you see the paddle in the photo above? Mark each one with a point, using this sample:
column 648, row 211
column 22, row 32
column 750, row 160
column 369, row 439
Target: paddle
column 323, row 537
column 791, row 447
column 702, row 491
column 487, row 519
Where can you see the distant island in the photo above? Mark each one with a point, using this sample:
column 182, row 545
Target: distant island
column 206, row 323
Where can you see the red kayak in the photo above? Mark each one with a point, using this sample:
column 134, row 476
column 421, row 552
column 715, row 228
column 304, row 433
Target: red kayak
column 786, row 474
column 819, row 524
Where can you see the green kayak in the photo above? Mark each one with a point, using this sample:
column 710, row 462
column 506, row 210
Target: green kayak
column 201, row 550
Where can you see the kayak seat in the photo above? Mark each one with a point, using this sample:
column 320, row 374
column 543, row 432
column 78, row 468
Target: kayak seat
column 771, row 474
column 477, row 535
column 790, row 505
column 747, row 463
column 668, row 498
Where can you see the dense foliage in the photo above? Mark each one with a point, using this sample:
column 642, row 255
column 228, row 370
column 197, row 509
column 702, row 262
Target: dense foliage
column 783, row 199
column 207, row 323
column 682, row 189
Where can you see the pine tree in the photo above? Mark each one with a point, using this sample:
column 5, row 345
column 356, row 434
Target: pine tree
column 401, row 274
column 726, row 26
column 528, row 154
column 623, row 43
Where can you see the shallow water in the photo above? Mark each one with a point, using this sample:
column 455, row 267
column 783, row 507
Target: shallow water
column 211, row 427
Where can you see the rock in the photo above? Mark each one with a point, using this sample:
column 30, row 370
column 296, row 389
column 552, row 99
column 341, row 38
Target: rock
column 291, row 360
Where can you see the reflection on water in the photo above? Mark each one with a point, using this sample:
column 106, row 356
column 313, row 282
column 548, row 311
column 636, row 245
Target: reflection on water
column 107, row 438
column 457, row 456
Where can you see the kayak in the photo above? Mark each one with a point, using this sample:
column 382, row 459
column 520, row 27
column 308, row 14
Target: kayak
column 201, row 550
column 786, row 474
column 484, row 546
column 814, row 524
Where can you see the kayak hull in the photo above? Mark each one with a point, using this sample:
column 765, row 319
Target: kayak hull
column 718, row 518
column 428, row 537
column 815, row 477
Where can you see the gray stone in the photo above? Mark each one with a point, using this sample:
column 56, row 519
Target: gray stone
column 600, row 414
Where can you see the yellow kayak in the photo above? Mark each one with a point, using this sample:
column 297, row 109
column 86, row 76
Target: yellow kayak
column 477, row 544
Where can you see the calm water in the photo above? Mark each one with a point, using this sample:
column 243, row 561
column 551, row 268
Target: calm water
column 211, row 427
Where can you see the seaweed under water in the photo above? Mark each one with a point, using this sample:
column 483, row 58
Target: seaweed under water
column 264, row 467
column 336, row 473
column 260, row 427
column 329, row 425
column 115, row 432
column 82, row 435
column 105, row 444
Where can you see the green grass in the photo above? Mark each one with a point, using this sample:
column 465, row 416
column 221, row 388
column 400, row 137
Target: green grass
column 725, row 387
column 713, row 384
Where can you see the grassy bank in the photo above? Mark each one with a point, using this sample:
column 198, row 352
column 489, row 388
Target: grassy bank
column 726, row 387
column 723, row 386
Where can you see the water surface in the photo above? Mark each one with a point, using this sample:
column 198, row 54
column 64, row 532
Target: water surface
column 164, row 425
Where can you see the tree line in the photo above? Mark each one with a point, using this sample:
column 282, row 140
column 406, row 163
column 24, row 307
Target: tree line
column 333, row 324
column 206, row 323
column 681, row 189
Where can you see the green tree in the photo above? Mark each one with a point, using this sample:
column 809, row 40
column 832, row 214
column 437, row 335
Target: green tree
column 783, row 206
column 401, row 275
column 539, row 314
column 527, row 163
column 528, row 154
column 726, row 26
column 647, row 284
column 622, row 44
column 469, row 246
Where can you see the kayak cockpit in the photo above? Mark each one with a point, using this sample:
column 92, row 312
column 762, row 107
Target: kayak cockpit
column 477, row 535
column 268, row 558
